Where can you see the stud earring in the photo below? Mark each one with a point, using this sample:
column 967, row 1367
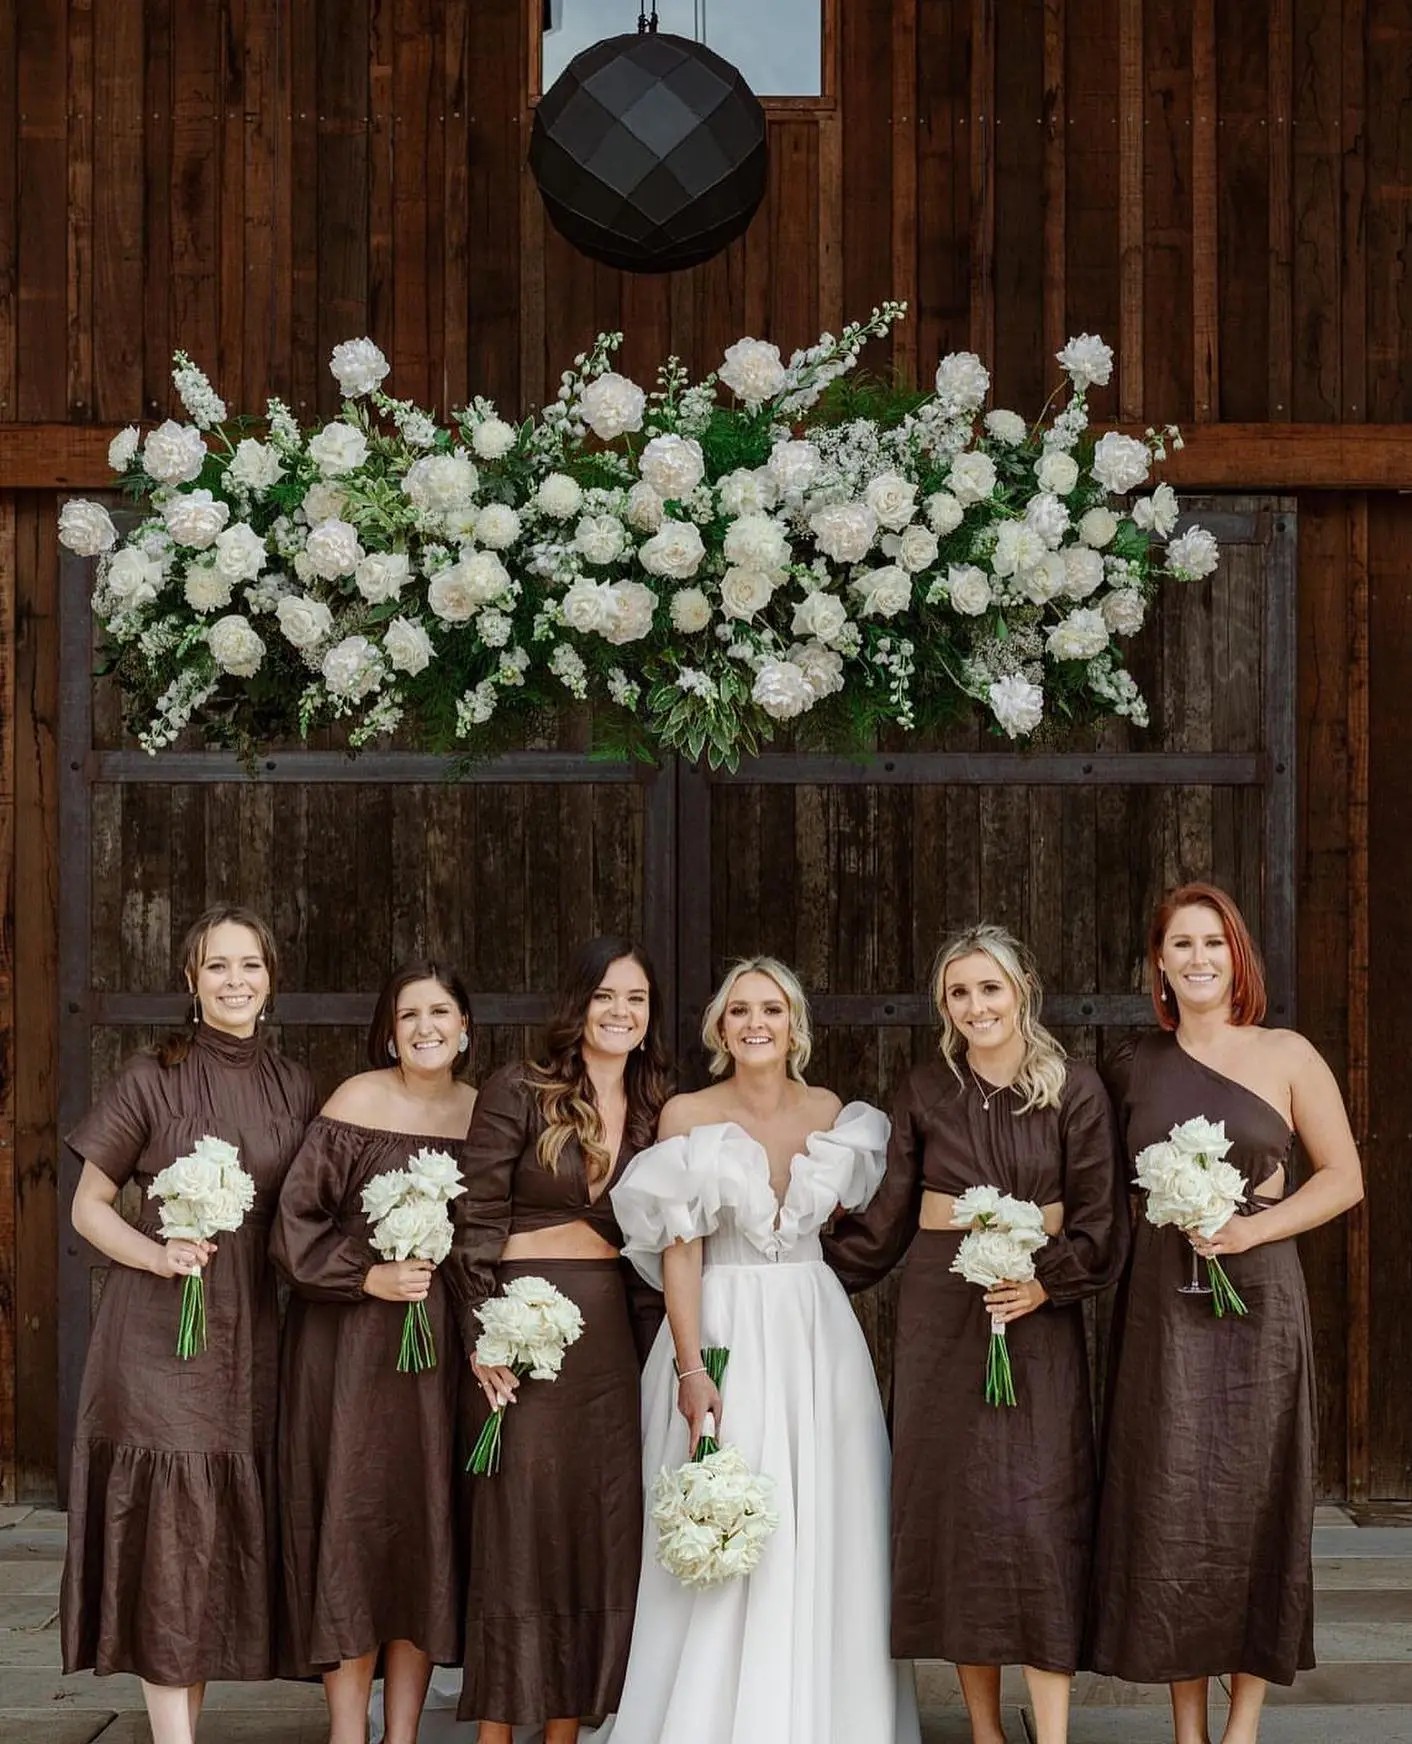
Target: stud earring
column 391, row 1049
column 463, row 1045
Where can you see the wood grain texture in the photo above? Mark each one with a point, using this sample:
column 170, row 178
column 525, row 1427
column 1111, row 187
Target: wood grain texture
column 8, row 1180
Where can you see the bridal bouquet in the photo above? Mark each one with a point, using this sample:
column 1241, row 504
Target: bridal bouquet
column 1005, row 1234
column 526, row 1328
column 1189, row 1183
column 202, row 1194
column 713, row 1516
column 408, row 1211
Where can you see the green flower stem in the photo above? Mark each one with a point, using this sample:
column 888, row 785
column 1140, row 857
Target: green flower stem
column 485, row 1455
column 999, row 1381
column 713, row 1360
column 418, row 1352
column 191, row 1326
column 1225, row 1298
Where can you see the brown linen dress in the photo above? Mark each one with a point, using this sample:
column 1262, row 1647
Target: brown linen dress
column 367, row 1455
column 1203, row 1561
column 556, row 1533
column 992, row 1506
column 172, row 1535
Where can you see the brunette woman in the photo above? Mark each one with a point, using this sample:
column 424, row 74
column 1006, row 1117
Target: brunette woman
column 172, row 1528
column 555, row 1532
column 367, row 1452
column 1203, row 1562
column 993, row 1506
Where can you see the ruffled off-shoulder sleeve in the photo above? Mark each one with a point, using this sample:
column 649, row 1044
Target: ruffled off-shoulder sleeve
column 679, row 1189
column 841, row 1169
column 307, row 1241
column 115, row 1131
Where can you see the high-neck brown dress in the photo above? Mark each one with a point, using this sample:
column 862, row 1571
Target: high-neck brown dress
column 367, row 1455
column 1203, row 1561
column 992, row 1506
column 172, row 1517
column 556, row 1533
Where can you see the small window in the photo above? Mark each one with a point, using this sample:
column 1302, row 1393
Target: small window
column 777, row 45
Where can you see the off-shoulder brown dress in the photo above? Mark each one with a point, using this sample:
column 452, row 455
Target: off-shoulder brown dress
column 367, row 1456
column 992, row 1506
column 172, row 1518
column 1203, row 1561
column 556, row 1533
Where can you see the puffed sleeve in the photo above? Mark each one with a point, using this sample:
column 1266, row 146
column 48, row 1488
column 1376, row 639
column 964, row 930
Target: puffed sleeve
column 502, row 1130
column 308, row 1241
column 1089, row 1253
column 844, row 1168
column 864, row 1247
column 677, row 1190
column 115, row 1131
column 1117, row 1068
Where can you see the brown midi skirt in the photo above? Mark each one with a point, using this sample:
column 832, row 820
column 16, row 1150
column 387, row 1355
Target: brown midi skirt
column 556, row 1533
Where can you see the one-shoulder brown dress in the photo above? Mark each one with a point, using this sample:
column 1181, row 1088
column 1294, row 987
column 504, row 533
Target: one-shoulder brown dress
column 992, row 1506
column 367, row 1455
column 1207, row 1513
column 556, row 1533
column 172, row 1517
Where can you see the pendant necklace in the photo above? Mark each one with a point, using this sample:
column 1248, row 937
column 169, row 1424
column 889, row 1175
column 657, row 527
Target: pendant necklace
column 996, row 1089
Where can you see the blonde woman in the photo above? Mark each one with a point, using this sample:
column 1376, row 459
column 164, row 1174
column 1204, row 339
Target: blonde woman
column 992, row 1507
column 725, row 1211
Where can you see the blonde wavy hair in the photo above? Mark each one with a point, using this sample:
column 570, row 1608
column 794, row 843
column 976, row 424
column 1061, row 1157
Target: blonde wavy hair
column 801, row 1032
column 1040, row 1079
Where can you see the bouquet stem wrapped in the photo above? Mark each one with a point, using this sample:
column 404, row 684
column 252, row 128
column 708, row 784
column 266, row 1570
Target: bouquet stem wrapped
column 714, row 1360
column 202, row 1193
column 1005, row 1234
column 1188, row 1183
column 408, row 1211
column 526, row 1329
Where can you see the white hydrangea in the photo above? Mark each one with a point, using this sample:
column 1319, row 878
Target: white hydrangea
column 1016, row 704
column 893, row 499
column 754, row 372
column 559, row 496
column 672, row 465
column 304, row 622
column 255, row 466
column 352, row 668
column 1098, row 527
column 440, row 482
column 633, row 608
column 1057, row 472
column 601, row 538
column 644, row 508
column 235, row 647
column 1006, row 427
column 972, row 477
column 675, row 551
column 174, row 453
column 132, row 579
column 690, row 610
column 407, row 646
column 1080, row 636
column 86, row 528
column 206, row 589
column 492, row 439
column 962, row 382
column 794, row 466
column 747, row 492
column 1124, row 611
column 968, row 589
column 497, row 526
column 358, row 367
column 1194, row 555
column 1120, row 463
column 381, row 576
column 944, row 513
column 338, row 449
column 612, row 406
column 589, row 607
column 744, row 592
column 1087, row 361
column 332, row 549
column 1083, row 571
column 1157, row 513
column 844, row 531
column 754, row 541
column 1048, row 517
column 240, row 553
column 782, row 690
column 820, row 615
column 884, row 592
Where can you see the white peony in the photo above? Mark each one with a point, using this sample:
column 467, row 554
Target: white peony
column 893, row 499
column 601, row 538
column 746, row 492
column 497, row 526
column 972, row 477
column 1080, row 636
column 675, row 551
column 1057, row 472
column 206, row 589
column 358, row 367
column 338, row 449
column 944, row 513
column 121, row 451
column 633, row 608
column 1016, row 704
column 820, row 615
column 86, row 528
column 745, row 592
column 194, row 518
column 612, row 406
column 844, row 531
column 1048, row 516
column 1157, row 513
column 1120, row 463
column 382, row 575
column 754, row 372
column 757, row 542
column 439, row 482
column 691, row 610
column 1017, row 548
column 255, row 466
column 305, row 622
column 589, row 606
column 968, row 589
column 559, row 496
column 492, row 439
column 1087, row 361
column 782, row 690
column 672, row 465
column 174, row 453
column 132, row 578
column 407, row 646
column 1083, row 571
column 1194, row 555
column 962, row 381
column 1046, row 580
column 323, row 502
column 1007, row 427
column 333, row 549
column 1098, row 527
column 643, row 508
column 1124, row 611
column 235, row 647
column 823, row 667
column 794, row 466
column 240, row 552
column 352, row 667
column 883, row 593
column 915, row 548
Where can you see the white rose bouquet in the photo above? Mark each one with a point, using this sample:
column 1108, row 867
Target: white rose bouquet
column 713, row 1516
column 202, row 1193
column 408, row 1211
column 526, row 1328
column 1188, row 1182
column 1005, row 1234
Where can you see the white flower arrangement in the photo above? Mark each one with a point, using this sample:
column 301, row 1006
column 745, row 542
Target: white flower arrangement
column 1188, row 1183
column 526, row 1328
column 679, row 541
column 202, row 1194
column 1004, row 1235
column 407, row 1209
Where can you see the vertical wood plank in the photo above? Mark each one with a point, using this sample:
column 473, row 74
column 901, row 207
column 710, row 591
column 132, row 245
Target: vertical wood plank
column 1317, row 197
column 1093, row 208
column 9, row 1185
column 1056, row 145
column 1167, row 212
column 1357, row 216
column 80, row 209
column 352, row 219
column 904, row 184
column 1235, row 291
column 1359, row 682
column 1206, row 356
column 1020, row 163
column 238, row 21
column 41, row 201
column 195, row 189
column 866, row 65
column 1132, row 336
column 117, row 210
column 157, row 341
column 943, row 182
column 1381, row 350
column 9, row 206
column 381, row 99
column 452, row 378
column 1279, row 104
column 263, row 295
column 982, row 119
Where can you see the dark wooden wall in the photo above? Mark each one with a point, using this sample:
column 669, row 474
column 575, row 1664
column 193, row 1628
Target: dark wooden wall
column 1223, row 191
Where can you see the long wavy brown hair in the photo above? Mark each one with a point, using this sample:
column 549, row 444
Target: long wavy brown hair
column 174, row 1048
column 561, row 1081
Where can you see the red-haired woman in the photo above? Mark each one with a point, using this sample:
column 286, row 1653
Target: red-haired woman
column 1203, row 1558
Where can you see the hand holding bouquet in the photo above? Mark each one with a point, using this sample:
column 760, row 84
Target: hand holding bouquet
column 407, row 1209
column 1005, row 1234
column 202, row 1193
column 526, row 1328
column 1189, row 1183
column 713, row 1516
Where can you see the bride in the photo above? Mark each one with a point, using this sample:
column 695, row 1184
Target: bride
column 724, row 1213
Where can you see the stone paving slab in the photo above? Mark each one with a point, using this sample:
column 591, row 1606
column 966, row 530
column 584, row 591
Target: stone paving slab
column 11, row 1513
column 1362, row 1573
column 24, row 1579
column 279, row 1726
column 38, row 1726
column 21, row 1544
column 1348, row 1685
column 34, row 1611
column 1330, row 1725
column 950, row 1726
column 1362, row 1541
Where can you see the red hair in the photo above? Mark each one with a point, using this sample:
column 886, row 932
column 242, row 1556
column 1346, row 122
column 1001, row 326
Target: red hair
column 1247, row 972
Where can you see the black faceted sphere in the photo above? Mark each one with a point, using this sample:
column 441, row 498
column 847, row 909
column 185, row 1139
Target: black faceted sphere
column 650, row 152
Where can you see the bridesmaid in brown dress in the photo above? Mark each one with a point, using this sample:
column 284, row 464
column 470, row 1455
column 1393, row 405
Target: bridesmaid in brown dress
column 555, row 1534
column 993, row 1507
column 172, row 1528
column 367, row 1454
column 1203, row 1559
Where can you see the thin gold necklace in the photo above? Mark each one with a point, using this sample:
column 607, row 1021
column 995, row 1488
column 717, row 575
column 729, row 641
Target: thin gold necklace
column 996, row 1089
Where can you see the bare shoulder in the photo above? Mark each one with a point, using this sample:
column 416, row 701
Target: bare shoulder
column 824, row 1107
column 465, row 1100
column 1294, row 1054
column 691, row 1108
column 360, row 1099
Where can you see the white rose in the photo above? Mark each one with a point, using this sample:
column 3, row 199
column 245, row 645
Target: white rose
column 1017, row 548
column 358, row 367
column 1124, row 611
column 883, row 593
column 744, row 492
column 1046, row 580
column 352, row 667
column 757, row 542
column 323, row 502
column 1194, row 555
column 1120, row 463
column 492, row 439
column 672, row 465
column 206, row 589
column 968, row 589
column 255, row 465
column 753, row 371
column 382, row 575
column 121, row 451
column 1007, row 427
column 194, row 518
column 691, row 610
column 235, row 647
column 972, row 477
column 304, row 622
column 559, row 496
column 962, row 381
column 338, row 449
column 86, row 528
column 1057, row 472
column 133, row 578
column 1087, row 361
column 893, row 499
column 944, row 513
column 644, row 508
column 633, row 607
column 601, row 538
column 821, row 666
column 675, row 551
column 915, row 548
column 1097, row 528
column 745, row 592
column 497, row 526
column 1083, row 571
column 820, row 615
column 611, row 406
column 589, row 606
column 1017, row 704
column 174, row 453
column 782, row 690
column 1157, row 513
column 333, row 549
column 407, row 646
column 1080, row 636
column 844, row 531
column 439, row 482
column 240, row 552
column 1048, row 516
column 794, row 466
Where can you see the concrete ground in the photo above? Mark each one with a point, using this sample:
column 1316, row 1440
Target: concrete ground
column 1360, row 1694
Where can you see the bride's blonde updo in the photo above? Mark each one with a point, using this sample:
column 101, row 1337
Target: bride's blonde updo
column 1040, row 1079
column 801, row 1034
